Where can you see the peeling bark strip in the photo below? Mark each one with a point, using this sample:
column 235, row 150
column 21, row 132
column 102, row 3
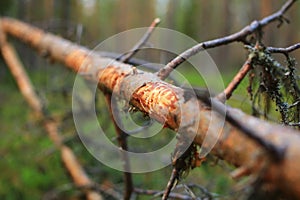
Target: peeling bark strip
column 163, row 101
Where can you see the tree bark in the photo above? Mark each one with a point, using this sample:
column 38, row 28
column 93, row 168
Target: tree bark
column 175, row 110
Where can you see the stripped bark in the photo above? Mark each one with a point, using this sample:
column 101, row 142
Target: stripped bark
column 175, row 109
column 70, row 161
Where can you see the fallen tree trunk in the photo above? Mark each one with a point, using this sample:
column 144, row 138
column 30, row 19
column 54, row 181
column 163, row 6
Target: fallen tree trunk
column 175, row 110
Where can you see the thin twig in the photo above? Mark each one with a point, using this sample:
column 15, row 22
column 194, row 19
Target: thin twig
column 235, row 37
column 132, row 61
column 160, row 193
column 294, row 104
column 284, row 50
column 294, row 124
column 189, row 191
column 108, row 190
column 138, row 62
column 226, row 94
column 141, row 42
column 182, row 161
column 121, row 137
column 171, row 183
column 201, row 188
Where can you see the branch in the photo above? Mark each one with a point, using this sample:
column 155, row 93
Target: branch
column 171, row 183
column 183, row 160
column 226, row 94
column 235, row 37
column 132, row 61
column 283, row 50
column 140, row 43
column 137, row 62
column 121, row 137
column 156, row 193
column 203, row 190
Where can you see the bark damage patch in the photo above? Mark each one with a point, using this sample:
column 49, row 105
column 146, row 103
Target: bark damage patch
column 147, row 92
column 159, row 101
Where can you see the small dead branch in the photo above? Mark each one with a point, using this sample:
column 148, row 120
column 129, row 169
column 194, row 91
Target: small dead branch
column 283, row 50
column 203, row 190
column 140, row 43
column 171, row 183
column 157, row 193
column 239, row 36
column 294, row 124
column 226, row 94
column 183, row 160
column 132, row 61
column 122, row 140
column 15, row 67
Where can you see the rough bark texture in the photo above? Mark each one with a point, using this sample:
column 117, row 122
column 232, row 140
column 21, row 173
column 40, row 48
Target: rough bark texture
column 168, row 104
